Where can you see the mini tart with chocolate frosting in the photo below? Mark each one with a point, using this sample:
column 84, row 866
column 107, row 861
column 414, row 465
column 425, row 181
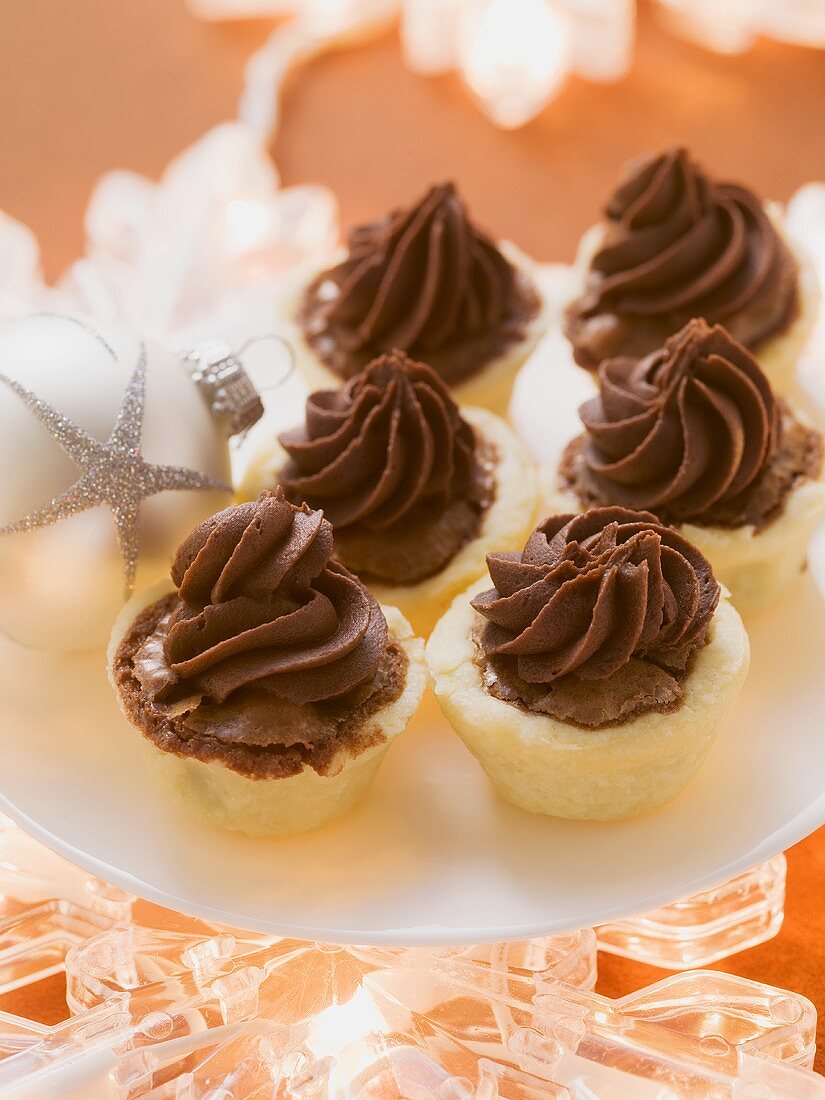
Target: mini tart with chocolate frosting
column 268, row 683
column 417, row 489
column 695, row 433
column 591, row 680
column 425, row 280
column 676, row 244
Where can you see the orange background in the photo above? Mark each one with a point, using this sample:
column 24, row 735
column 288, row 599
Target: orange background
column 97, row 84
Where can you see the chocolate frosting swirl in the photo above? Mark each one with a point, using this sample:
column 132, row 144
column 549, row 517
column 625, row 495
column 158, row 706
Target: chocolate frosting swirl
column 425, row 280
column 693, row 426
column 262, row 603
column 388, row 443
column 590, row 592
column 679, row 245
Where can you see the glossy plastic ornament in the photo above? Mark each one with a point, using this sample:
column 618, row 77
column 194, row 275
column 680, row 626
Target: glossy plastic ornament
column 63, row 580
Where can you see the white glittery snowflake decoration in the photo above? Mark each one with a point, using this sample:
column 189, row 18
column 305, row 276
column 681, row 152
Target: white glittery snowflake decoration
column 205, row 251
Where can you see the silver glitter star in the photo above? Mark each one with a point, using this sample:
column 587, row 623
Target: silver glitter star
column 113, row 473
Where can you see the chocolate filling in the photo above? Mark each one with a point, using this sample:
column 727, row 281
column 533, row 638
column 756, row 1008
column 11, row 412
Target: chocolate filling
column 255, row 733
column 596, row 621
column 426, row 281
column 798, row 458
column 599, row 336
column 640, row 686
column 456, row 361
column 425, row 541
column 400, row 474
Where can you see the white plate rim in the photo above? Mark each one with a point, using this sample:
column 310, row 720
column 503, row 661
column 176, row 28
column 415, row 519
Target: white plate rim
column 800, row 827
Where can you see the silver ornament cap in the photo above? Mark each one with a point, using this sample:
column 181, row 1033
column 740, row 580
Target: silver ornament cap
column 221, row 377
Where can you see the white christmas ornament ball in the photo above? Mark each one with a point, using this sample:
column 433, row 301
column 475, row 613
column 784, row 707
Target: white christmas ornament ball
column 61, row 585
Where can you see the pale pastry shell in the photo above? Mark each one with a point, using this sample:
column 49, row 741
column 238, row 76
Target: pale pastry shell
column 551, row 767
column 286, row 806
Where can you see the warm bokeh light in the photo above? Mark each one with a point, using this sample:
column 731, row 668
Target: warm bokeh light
column 345, row 1024
column 513, row 55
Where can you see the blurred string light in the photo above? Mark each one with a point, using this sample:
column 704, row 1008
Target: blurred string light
column 513, row 55
column 732, row 26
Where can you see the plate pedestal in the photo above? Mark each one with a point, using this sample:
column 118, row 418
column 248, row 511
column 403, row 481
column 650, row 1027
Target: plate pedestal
column 167, row 1006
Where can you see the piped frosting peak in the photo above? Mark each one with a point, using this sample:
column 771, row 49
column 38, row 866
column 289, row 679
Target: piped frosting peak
column 389, row 442
column 590, row 592
column 677, row 244
column 262, row 603
column 685, row 430
column 426, row 280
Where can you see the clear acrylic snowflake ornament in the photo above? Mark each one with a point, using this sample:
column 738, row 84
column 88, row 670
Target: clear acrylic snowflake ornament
column 170, row 1008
